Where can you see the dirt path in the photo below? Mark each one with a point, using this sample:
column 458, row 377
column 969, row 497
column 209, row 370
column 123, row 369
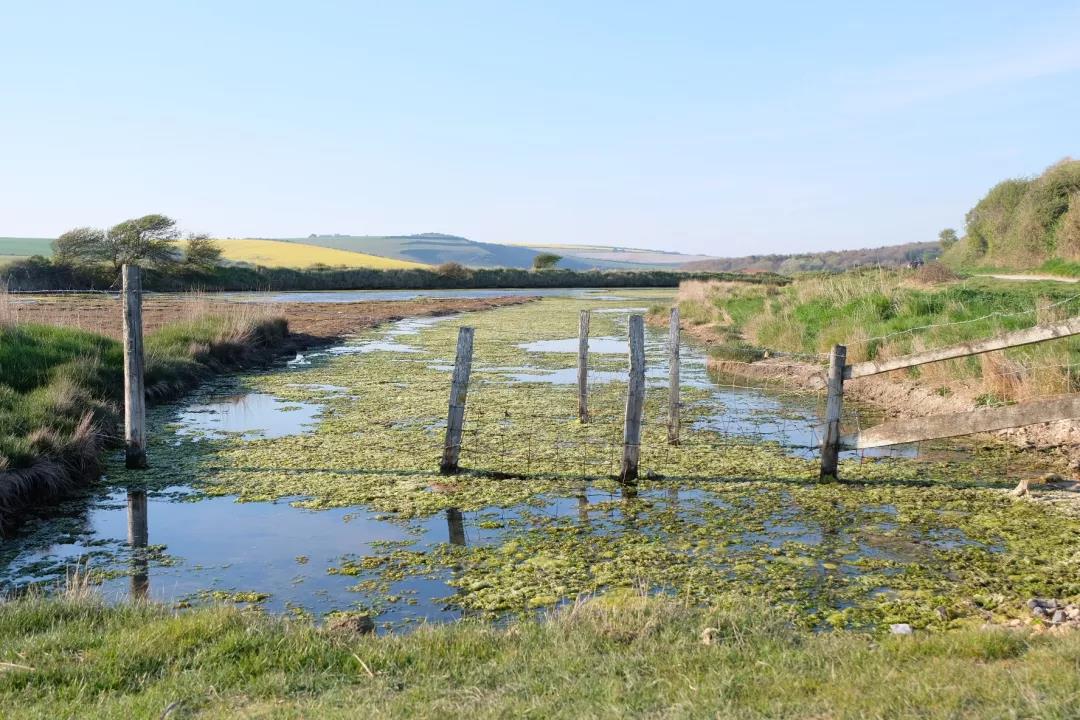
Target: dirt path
column 1031, row 278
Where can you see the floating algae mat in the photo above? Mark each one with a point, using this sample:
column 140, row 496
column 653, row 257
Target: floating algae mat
column 346, row 510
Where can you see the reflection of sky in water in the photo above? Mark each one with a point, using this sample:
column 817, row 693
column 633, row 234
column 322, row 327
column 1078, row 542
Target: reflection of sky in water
column 250, row 414
column 286, row 551
column 348, row 296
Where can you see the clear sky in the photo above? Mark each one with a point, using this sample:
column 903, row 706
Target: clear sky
column 724, row 128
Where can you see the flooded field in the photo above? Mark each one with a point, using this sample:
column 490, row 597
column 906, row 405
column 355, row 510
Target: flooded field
column 313, row 488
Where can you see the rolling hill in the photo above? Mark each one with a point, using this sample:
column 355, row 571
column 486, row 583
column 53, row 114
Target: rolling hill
column 437, row 248
column 297, row 254
column 603, row 256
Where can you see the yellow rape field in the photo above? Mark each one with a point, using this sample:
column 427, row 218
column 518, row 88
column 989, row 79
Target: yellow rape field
column 277, row 253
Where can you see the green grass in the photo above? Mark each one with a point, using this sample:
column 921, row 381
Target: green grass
column 60, row 394
column 1061, row 267
column 53, row 376
column 880, row 314
column 613, row 657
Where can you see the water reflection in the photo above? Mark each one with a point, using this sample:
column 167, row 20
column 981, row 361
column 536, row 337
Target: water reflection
column 455, row 525
column 138, row 539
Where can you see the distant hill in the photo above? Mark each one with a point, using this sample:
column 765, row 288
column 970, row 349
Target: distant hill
column 1022, row 222
column 889, row 256
column 437, row 248
column 602, row 256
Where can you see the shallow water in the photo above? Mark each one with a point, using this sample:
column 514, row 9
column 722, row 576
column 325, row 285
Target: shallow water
column 331, row 296
column 439, row 565
column 247, row 414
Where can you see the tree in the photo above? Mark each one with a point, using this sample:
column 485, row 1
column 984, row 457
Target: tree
column 149, row 239
column 947, row 238
column 202, row 252
column 453, row 270
column 81, row 246
column 545, row 260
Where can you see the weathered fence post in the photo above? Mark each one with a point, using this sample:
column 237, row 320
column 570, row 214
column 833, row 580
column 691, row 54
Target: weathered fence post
column 134, row 392
column 673, row 378
column 635, row 401
column 459, row 388
column 583, row 367
column 834, row 405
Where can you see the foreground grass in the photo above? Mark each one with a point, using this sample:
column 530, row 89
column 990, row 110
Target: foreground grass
column 631, row 657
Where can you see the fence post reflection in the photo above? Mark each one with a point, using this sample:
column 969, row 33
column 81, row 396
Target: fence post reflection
column 138, row 539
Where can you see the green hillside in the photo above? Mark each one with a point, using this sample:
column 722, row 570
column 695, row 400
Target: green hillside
column 1023, row 222
column 25, row 246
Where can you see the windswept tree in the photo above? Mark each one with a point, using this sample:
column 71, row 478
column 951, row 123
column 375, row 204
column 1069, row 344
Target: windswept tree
column 81, row 246
column 545, row 260
column 201, row 252
column 150, row 240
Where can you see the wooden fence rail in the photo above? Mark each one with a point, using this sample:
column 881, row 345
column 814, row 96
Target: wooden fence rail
column 1017, row 338
column 897, row 432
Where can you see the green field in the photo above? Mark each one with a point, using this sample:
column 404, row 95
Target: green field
column 24, row 247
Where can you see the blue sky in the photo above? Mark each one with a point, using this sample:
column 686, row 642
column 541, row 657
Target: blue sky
column 703, row 127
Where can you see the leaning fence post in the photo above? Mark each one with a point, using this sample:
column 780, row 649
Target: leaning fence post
column 635, row 401
column 583, row 367
column 834, row 405
column 673, row 378
column 134, row 392
column 459, row 388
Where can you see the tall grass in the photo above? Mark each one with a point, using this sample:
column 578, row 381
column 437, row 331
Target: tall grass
column 880, row 314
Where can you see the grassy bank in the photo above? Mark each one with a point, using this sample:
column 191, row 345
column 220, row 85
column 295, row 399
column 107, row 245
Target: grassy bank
column 879, row 314
column 42, row 274
column 613, row 657
column 60, row 398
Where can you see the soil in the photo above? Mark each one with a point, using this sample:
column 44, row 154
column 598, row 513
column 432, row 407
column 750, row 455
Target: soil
column 309, row 323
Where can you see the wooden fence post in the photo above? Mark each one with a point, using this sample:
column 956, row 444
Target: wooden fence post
column 459, row 388
column 134, row 392
column 635, row 401
column 834, row 405
column 673, row 378
column 583, row 367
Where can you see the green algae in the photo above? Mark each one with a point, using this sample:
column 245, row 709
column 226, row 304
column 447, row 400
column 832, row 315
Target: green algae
column 929, row 543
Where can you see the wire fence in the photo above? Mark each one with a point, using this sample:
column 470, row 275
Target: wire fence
column 524, row 421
